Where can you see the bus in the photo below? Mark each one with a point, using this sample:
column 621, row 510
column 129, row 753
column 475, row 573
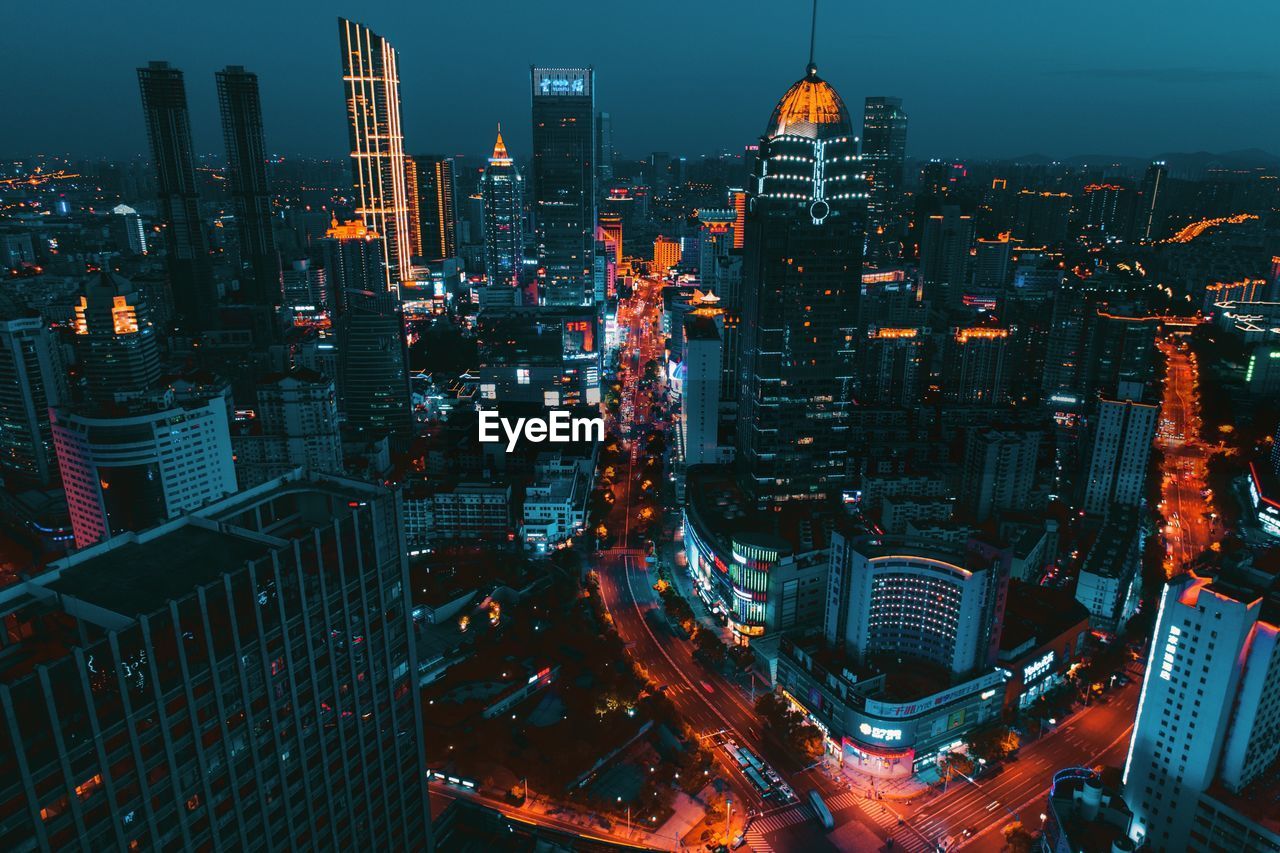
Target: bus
column 820, row 810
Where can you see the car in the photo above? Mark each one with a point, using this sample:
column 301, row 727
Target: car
column 968, row 832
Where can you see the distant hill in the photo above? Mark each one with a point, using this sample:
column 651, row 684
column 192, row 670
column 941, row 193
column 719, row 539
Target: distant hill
column 1180, row 163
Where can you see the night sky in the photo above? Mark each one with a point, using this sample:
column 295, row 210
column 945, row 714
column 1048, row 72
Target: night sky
column 990, row 78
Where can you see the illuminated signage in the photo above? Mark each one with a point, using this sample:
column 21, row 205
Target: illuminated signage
column 1037, row 668
column 894, row 710
column 1170, row 652
column 560, row 82
column 880, row 734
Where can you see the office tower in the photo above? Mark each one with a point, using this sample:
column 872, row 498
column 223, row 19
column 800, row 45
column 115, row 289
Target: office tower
column 1122, row 438
column 1041, row 218
column 611, row 227
column 738, row 201
column 131, row 469
column 666, row 255
column 502, row 189
column 433, row 207
column 115, row 340
column 353, row 257
column 295, row 425
column 305, row 285
column 164, row 106
column 884, row 152
column 898, row 599
column 1206, row 722
column 1110, row 579
column 944, row 256
column 700, row 391
column 32, row 380
column 373, row 365
column 1150, row 204
column 247, row 182
column 891, row 359
column 999, row 471
column 242, row 677
column 975, row 372
column 605, row 154
column 128, row 229
column 564, row 183
column 372, row 82
column 801, row 282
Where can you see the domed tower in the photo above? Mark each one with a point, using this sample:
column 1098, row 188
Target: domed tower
column 802, row 275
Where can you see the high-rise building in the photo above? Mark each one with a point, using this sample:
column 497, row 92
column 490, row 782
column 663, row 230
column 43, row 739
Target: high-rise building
column 1041, row 218
column 944, row 256
column 372, row 82
column 353, row 257
column 244, row 674
column 164, row 106
column 801, row 282
column 564, row 183
column 247, row 183
column 1102, row 207
column 1110, row 579
column 1150, row 204
column 32, row 381
column 502, row 189
column 136, row 468
column 373, row 365
column 305, row 285
column 990, row 273
column 666, row 255
column 974, row 371
column 433, row 206
column 295, row 425
column 700, row 390
column 1122, row 435
column 115, row 339
column 999, row 471
column 891, row 360
column 129, row 230
column 1206, row 722
column 611, row 232
column 605, row 155
column 884, row 153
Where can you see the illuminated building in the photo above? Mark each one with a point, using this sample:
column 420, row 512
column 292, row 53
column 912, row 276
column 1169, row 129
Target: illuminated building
column 999, row 471
column 1122, row 434
column 1264, row 497
column 884, row 151
column 944, row 256
column 564, row 183
column 800, row 289
column 764, row 572
column 1042, row 635
column 305, row 285
column 1083, row 813
column 373, row 366
column 433, row 209
column 990, row 273
column 1041, row 218
column 130, row 233
column 153, row 461
column 32, row 380
column 1149, row 207
column 295, row 425
column 353, row 257
column 1102, row 207
column 611, row 228
column 372, row 84
column 546, row 356
column 666, row 255
column 738, row 201
column 247, row 183
column 975, row 369
column 700, row 388
column 891, row 360
column 1205, row 733
column 115, row 340
column 195, row 686
column 164, row 106
column 502, row 189
column 1262, row 371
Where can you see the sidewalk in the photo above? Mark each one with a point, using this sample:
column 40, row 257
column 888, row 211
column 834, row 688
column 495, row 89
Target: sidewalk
column 683, row 582
column 898, row 789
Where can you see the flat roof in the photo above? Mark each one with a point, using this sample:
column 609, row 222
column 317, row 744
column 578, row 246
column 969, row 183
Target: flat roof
column 139, row 577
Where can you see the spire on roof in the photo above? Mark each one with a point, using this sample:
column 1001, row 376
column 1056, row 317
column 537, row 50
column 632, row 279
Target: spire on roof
column 500, row 149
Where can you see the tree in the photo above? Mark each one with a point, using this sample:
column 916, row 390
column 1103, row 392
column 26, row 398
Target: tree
column 955, row 765
column 710, row 645
column 1017, row 839
column 992, row 743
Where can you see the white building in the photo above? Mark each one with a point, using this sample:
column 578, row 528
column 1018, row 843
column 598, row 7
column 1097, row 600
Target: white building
column 555, row 504
column 135, row 470
column 1208, row 719
column 294, row 426
column 1121, row 445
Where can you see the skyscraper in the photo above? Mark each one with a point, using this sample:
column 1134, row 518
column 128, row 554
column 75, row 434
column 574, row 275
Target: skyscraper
column 975, row 372
column 115, row 340
column 999, row 471
column 1206, row 723
column 353, row 257
column 1122, row 438
column 944, row 256
column 1149, row 206
column 241, row 677
column 891, row 360
column 164, row 106
column 373, row 365
column 801, row 281
column 884, row 153
column 32, row 380
column 433, row 207
column 700, row 391
column 564, row 183
column 502, row 189
column 604, row 157
column 247, row 183
column 372, row 84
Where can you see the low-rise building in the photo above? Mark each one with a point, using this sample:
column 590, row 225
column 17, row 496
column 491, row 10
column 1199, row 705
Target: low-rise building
column 555, row 503
column 1085, row 815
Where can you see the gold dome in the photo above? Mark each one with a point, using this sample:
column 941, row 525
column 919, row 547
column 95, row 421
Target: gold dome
column 810, row 108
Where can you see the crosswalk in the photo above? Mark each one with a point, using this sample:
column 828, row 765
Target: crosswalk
column 757, row 833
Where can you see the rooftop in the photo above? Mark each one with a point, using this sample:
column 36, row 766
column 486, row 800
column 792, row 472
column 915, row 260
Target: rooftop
column 810, row 108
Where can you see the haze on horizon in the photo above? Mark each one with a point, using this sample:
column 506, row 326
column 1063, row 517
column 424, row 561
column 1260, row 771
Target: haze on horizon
column 1124, row 79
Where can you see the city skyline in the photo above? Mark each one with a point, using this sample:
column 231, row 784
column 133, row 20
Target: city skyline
column 1082, row 88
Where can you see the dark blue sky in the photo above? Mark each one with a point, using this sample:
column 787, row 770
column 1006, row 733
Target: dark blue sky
column 979, row 79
